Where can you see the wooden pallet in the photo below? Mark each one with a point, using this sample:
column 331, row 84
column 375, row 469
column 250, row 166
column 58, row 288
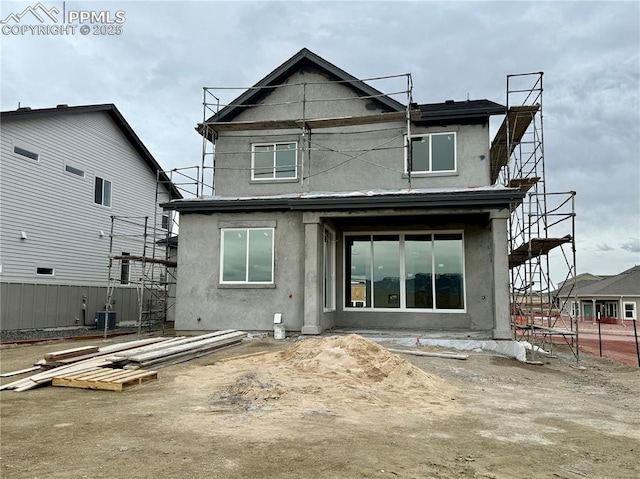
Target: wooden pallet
column 108, row 379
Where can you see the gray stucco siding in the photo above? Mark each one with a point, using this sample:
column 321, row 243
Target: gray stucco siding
column 250, row 307
column 478, row 281
column 341, row 158
column 220, row 306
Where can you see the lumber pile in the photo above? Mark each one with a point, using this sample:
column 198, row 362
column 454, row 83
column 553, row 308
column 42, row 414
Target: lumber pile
column 119, row 366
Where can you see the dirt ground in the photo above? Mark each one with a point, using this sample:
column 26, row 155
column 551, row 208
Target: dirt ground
column 343, row 408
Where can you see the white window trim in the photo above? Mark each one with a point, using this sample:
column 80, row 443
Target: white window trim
column 273, row 178
column 27, row 147
column 43, row 275
column 430, row 172
column 332, row 275
column 247, row 282
column 75, row 167
column 634, row 312
column 110, row 192
column 403, row 307
column 575, row 309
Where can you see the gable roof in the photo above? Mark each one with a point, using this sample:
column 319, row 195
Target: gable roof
column 459, row 112
column 302, row 58
column 111, row 110
column 626, row 283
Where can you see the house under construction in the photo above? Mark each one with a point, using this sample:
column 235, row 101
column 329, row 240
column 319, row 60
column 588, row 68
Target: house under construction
column 340, row 205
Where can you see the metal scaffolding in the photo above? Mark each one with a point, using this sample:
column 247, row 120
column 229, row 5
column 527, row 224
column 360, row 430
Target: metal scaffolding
column 541, row 227
column 150, row 262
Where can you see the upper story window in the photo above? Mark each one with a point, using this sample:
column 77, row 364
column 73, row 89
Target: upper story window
column 102, row 192
column 73, row 170
column 432, row 153
column 273, row 161
column 26, row 153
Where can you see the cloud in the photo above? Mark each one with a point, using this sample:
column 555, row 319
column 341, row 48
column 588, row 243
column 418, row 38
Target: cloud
column 633, row 245
column 604, row 247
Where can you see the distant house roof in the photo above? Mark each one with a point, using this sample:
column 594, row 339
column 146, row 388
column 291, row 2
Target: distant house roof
column 118, row 119
column 626, row 283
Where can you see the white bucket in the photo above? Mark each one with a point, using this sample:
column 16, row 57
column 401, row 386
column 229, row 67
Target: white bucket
column 278, row 331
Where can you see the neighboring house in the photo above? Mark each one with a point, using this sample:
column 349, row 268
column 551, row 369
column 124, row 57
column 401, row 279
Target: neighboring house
column 611, row 298
column 65, row 172
column 319, row 213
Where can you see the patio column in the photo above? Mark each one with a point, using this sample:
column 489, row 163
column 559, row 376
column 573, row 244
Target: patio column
column 501, row 290
column 312, row 275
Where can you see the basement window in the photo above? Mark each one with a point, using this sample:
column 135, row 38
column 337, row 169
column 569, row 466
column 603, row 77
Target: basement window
column 43, row 271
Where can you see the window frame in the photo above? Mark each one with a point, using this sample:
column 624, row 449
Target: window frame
column 125, row 270
column 102, row 189
column 30, row 151
column 634, row 312
column 247, row 281
column 73, row 174
column 273, row 176
column 43, row 274
column 431, row 171
column 403, row 276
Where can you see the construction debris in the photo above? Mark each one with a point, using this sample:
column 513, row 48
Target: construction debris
column 110, row 367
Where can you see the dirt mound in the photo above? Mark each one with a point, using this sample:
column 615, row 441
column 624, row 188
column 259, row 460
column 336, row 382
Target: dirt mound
column 336, row 373
column 354, row 358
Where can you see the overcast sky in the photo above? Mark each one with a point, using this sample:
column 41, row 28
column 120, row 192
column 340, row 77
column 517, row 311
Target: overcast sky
column 155, row 70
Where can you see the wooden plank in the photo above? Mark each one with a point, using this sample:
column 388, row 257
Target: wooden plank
column 176, row 349
column 242, row 356
column 415, row 115
column 21, row 371
column 181, row 356
column 124, row 356
column 70, row 353
column 114, row 348
column 428, row 354
column 46, row 376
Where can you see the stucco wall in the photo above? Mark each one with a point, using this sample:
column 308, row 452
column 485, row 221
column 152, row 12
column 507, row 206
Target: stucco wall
column 344, row 158
column 251, row 308
column 199, row 294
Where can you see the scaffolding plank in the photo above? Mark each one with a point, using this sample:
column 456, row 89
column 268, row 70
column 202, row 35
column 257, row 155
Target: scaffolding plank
column 313, row 122
column 147, row 259
column 534, row 248
column 516, row 122
column 523, row 184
